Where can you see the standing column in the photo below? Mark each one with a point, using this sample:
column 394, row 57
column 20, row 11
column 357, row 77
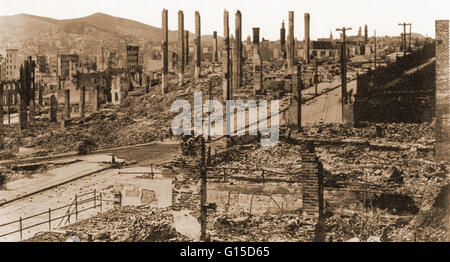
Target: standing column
column 82, row 101
column 227, row 91
column 298, row 95
column 95, row 99
column 53, row 109
column 186, row 48
column 306, row 48
column 66, row 104
column 215, row 54
column 366, row 35
column 198, row 46
column 291, row 41
column 283, row 40
column 257, row 62
column 165, row 52
column 237, row 52
column 442, row 91
column 180, row 47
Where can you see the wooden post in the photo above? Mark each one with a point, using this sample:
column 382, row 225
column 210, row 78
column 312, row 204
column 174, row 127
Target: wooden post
column 76, row 208
column 20, row 227
column 203, row 191
column 153, row 175
column 95, row 198
column 264, row 181
column 101, row 202
column 49, row 219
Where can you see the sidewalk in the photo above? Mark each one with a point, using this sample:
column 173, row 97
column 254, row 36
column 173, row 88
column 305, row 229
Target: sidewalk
column 25, row 187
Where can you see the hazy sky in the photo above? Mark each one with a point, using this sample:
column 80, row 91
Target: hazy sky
column 326, row 15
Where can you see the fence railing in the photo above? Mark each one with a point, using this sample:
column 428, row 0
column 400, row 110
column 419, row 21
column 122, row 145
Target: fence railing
column 78, row 205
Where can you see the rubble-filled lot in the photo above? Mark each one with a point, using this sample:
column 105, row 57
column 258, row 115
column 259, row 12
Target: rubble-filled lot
column 127, row 224
column 268, row 228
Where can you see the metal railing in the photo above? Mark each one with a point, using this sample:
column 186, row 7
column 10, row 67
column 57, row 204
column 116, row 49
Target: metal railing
column 78, row 205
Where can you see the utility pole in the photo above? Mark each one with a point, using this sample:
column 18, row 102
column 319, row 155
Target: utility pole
column 404, row 36
column 410, row 36
column 209, row 115
column 203, row 195
column 316, row 77
column 344, row 65
column 375, row 53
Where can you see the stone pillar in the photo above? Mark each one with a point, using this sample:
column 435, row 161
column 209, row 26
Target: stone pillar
column 95, row 99
column 165, row 52
column 53, row 109
column 366, row 35
column 40, row 91
column 257, row 63
column 227, row 90
column 186, row 48
column 306, row 42
column 60, row 115
column 283, row 40
column 294, row 112
column 181, row 47
column 442, row 91
column 291, row 41
column 198, row 46
column 82, row 101
column 66, row 104
column 237, row 52
column 165, row 69
column 215, row 49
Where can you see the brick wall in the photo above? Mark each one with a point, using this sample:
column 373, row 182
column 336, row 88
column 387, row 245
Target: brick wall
column 186, row 193
column 442, row 91
column 312, row 188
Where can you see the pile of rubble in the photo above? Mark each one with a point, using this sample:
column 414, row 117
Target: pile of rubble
column 267, row 228
column 390, row 132
column 360, row 228
column 282, row 157
column 127, row 224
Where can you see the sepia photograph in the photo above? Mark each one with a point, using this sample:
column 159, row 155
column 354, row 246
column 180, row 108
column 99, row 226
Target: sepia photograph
column 226, row 121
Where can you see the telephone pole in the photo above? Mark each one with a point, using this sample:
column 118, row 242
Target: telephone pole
column 203, row 196
column 316, row 78
column 404, row 36
column 344, row 64
column 410, row 36
column 375, row 53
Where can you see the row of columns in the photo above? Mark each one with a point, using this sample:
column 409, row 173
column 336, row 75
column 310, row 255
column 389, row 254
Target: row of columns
column 183, row 49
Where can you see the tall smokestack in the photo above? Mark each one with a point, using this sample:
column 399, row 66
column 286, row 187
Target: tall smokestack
column 306, row 48
column 283, row 40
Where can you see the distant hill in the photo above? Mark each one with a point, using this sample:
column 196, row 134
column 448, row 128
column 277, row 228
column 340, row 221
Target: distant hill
column 35, row 34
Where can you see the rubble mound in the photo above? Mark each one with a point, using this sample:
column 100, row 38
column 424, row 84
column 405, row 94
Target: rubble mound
column 266, row 228
column 127, row 224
